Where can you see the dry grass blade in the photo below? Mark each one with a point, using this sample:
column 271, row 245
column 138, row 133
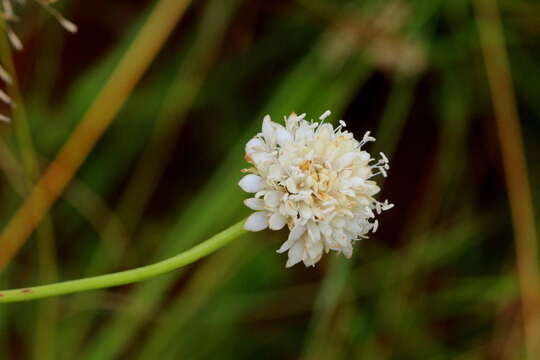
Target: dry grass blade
column 107, row 104
column 515, row 167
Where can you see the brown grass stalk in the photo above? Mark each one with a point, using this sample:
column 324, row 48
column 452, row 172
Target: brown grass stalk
column 515, row 167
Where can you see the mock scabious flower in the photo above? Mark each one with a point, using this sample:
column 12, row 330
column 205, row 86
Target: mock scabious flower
column 316, row 180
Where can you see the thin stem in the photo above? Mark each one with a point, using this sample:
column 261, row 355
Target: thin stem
column 129, row 276
column 515, row 168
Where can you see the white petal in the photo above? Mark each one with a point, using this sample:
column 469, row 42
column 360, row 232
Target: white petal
column 345, row 160
column 348, row 251
column 303, row 133
column 268, row 130
column 341, row 239
column 276, row 171
column 338, row 222
column 353, row 227
column 254, row 145
column 251, row 183
column 308, row 261
column 256, row 221
column 314, row 232
column 306, row 212
column 283, row 136
column 364, row 156
column 272, row 198
column 291, row 121
column 297, row 231
column 294, row 235
column 260, row 157
column 356, row 181
column 254, row 204
column 325, row 228
column 296, row 253
column 285, row 246
column 315, row 251
column 276, row 221
column 291, row 185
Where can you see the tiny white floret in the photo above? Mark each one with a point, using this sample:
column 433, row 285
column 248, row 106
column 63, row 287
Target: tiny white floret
column 256, row 221
column 251, row 183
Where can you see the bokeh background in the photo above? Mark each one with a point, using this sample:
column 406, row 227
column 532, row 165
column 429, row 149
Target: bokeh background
column 439, row 279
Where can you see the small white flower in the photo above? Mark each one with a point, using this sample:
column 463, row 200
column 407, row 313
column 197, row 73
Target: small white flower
column 316, row 180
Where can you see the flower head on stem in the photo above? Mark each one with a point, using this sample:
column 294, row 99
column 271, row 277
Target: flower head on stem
column 316, row 180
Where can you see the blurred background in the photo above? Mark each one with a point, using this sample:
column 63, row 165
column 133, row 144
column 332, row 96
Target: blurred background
column 438, row 280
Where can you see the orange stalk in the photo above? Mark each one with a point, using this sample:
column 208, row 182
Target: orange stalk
column 515, row 168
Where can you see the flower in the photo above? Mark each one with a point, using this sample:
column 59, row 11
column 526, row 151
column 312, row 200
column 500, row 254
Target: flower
column 316, row 180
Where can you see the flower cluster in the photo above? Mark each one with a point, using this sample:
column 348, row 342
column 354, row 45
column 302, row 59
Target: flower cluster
column 316, row 180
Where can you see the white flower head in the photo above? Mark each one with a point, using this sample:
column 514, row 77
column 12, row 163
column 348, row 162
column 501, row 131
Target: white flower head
column 316, row 180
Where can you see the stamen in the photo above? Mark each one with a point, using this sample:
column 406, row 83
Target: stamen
column 375, row 226
column 4, row 75
column 366, row 139
column 326, row 114
column 387, row 206
column 341, row 126
column 17, row 44
column 66, row 24
column 4, row 97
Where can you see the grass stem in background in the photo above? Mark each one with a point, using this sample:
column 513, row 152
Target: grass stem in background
column 181, row 94
column 515, row 167
column 45, row 330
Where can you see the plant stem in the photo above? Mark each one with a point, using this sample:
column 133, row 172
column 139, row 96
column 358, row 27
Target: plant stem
column 129, row 276
column 45, row 328
column 499, row 76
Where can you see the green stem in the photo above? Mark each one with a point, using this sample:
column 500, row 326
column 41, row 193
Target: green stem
column 46, row 321
column 129, row 276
